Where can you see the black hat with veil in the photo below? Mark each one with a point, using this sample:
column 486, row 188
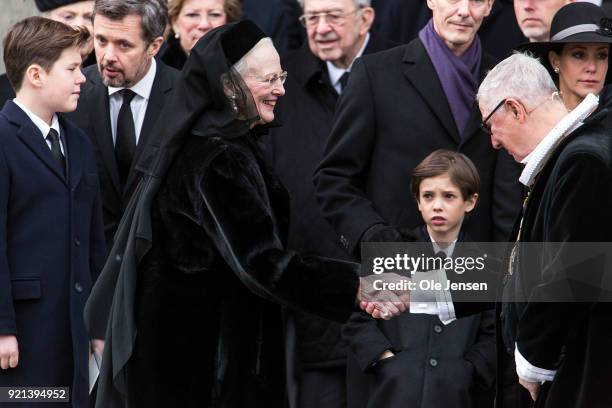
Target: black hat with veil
column 209, row 99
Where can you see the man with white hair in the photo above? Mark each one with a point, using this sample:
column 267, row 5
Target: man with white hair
column 561, row 350
column 338, row 32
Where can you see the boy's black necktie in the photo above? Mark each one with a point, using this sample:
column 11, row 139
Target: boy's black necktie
column 125, row 143
column 56, row 150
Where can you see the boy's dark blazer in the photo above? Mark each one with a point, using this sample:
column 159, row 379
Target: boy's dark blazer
column 51, row 251
column 93, row 117
column 457, row 361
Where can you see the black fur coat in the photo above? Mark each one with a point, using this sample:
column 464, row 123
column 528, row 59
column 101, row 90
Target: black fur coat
column 208, row 336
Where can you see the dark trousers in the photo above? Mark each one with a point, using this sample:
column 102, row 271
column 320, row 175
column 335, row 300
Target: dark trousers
column 323, row 388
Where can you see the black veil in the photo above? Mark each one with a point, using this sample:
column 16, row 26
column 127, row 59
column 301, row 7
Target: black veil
column 210, row 99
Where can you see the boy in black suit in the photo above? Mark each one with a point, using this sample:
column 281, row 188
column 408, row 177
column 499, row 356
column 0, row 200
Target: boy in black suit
column 415, row 359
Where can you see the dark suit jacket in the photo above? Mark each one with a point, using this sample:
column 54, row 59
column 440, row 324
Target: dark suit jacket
column 93, row 117
column 51, row 251
column 392, row 114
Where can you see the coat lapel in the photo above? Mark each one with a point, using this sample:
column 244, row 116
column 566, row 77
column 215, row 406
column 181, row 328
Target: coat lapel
column 103, row 132
column 162, row 85
column 422, row 75
column 30, row 135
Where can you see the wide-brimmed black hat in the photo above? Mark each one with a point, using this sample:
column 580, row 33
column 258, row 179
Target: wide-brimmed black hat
column 48, row 5
column 579, row 22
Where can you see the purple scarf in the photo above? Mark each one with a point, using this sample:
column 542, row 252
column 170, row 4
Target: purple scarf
column 458, row 75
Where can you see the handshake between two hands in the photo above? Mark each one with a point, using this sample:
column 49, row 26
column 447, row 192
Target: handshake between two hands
column 383, row 303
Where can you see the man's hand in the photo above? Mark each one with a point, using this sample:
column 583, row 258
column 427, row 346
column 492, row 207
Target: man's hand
column 9, row 352
column 532, row 387
column 382, row 303
column 97, row 346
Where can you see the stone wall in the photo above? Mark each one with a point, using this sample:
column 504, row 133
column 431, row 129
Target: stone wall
column 11, row 12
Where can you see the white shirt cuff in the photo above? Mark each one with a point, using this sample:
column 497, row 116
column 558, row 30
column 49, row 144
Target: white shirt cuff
column 529, row 372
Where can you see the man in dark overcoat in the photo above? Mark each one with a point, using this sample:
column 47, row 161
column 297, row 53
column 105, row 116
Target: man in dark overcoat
column 399, row 106
column 401, row 21
column 295, row 149
column 120, row 135
column 561, row 350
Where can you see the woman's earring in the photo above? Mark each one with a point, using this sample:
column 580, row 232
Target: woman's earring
column 556, row 69
column 233, row 103
column 177, row 35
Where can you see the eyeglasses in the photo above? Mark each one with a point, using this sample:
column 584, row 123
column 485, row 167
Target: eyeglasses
column 271, row 79
column 484, row 125
column 332, row 18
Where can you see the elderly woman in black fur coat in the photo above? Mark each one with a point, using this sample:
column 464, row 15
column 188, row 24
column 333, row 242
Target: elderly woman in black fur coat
column 200, row 251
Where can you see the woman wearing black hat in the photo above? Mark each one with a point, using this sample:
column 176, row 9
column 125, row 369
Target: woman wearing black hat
column 200, row 253
column 578, row 52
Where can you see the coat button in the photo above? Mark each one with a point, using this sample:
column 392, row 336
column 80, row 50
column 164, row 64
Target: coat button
column 438, row 329
column 78, row 287
column 433, row 362
column 77, row 242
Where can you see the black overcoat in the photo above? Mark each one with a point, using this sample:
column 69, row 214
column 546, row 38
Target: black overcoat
column 51, row 251
column 392, row 114
column 569, row 202
column 227, row 340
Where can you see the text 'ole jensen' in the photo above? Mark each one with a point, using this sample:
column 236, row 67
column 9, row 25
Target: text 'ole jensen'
column 406, row 284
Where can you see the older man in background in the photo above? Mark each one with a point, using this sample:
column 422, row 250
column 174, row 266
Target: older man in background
column 338, row 32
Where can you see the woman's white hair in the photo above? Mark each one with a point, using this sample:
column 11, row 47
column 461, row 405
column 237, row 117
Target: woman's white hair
column 242, row 66
column 519, row 76
column 357, row 3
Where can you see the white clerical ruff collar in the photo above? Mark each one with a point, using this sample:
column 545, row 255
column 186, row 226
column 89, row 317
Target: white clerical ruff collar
column 536, row 160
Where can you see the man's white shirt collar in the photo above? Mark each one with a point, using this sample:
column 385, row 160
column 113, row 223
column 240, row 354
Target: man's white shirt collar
column 143, row 87
column 335, row 73
column 537, row 159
